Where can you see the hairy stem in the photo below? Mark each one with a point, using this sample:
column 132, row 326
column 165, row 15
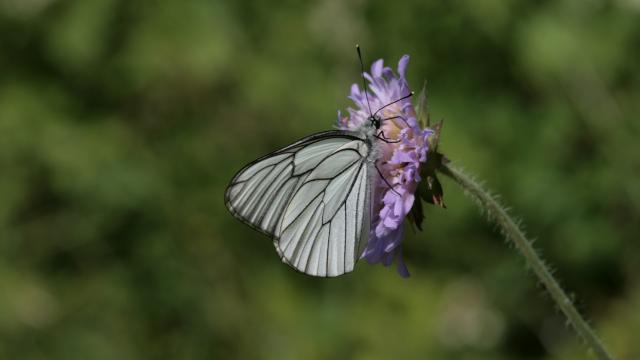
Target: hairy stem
column 512, row 231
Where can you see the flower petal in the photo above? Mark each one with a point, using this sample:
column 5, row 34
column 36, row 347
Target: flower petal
column 402, row 65
column 376, row 68
column 399, row 161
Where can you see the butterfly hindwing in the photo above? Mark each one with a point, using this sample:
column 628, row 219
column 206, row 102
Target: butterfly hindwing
column 312, row 198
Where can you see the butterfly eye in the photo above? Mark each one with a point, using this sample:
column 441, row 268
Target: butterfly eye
column 375, row 121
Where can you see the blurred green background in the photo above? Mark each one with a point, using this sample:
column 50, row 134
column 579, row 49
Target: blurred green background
column 121, row 123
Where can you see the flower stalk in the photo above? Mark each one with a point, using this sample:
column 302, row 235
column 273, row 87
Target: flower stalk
column 512, row 231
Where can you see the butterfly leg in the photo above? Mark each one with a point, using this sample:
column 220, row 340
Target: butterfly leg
column 398, row 117
column 385, row 181
column 380, row 135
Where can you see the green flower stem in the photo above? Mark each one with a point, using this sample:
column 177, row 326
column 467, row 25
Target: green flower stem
column 512, row 231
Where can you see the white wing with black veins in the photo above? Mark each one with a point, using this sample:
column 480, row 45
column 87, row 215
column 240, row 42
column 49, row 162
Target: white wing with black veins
column 312, row 198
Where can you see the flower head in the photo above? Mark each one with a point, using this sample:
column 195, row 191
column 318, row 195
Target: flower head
column 398, row 159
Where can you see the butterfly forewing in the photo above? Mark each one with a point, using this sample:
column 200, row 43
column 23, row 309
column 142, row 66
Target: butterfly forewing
column 312, row 198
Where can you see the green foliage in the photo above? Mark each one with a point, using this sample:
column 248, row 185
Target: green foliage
column 122, row 121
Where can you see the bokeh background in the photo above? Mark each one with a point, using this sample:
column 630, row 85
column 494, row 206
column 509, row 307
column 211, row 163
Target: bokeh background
column 121, row 123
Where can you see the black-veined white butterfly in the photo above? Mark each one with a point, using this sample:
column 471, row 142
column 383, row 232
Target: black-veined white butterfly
column 313, row 197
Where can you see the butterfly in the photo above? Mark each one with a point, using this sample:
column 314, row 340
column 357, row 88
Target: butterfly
column 313, row 197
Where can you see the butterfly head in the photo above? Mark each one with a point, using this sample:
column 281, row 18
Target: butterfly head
column 375, row 121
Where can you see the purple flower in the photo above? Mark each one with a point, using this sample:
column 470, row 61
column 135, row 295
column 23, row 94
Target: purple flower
column 398, row 161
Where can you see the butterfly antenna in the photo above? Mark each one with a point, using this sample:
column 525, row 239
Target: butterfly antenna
column 364, row 84
column 393, row 102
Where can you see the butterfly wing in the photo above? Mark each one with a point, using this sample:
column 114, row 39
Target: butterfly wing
column 312, row 198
